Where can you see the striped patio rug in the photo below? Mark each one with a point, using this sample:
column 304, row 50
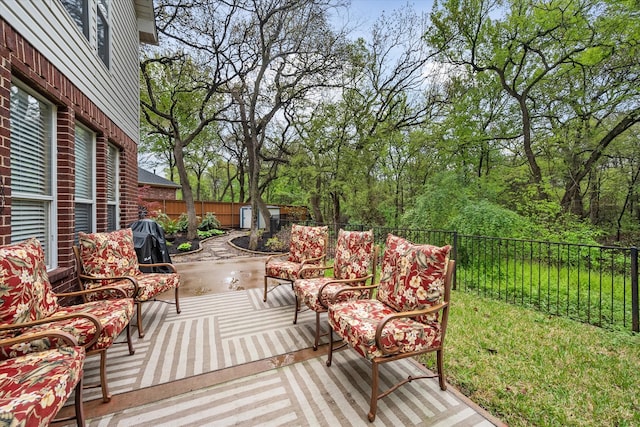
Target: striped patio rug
column 219, row 331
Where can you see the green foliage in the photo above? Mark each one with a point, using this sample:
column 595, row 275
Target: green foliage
column 183, row 222
column 209, row 222
column 280, row 241
column 440, row 201
column 209, row 233
column 169, row 226
column 532, row 369
column 184, row 247
column 483, row 218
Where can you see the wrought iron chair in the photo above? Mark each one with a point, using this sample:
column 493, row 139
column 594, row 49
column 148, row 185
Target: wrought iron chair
column 354, row 263
column 29, row 306
column 407, row 318
column 308, row 246
column 110, row 259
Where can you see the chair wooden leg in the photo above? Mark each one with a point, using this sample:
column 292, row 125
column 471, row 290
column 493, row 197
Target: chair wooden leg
column 78, row 404
column 106, row 396
column 297, row 309
column 374, row 391
column 315, row 344
column 330, row 350
column 178, row 300
column 440, row 357
column 140, row 327
column 129, row 341
column 264, row 299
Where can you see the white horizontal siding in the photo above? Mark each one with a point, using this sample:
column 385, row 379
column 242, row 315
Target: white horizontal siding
column 48, row 27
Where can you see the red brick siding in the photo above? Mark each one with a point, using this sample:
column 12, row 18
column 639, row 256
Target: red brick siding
column 160, row 193
column 19, row 59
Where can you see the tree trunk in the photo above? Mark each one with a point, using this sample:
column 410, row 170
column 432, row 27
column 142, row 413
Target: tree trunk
column 187, row 194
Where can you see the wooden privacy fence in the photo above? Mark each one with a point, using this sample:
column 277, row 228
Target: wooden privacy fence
column 228, row 213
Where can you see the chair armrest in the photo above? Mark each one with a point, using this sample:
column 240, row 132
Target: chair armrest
column 115, row 289
column 90, row 278
column 314, row 260
column 348, row 282
column 69, row 339
column 92, row 318
column 333, row 299
column 314, row 267
column 272, row 257
column 403, row 314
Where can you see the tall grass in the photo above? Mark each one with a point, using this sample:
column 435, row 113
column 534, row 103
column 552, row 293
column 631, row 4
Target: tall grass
column 534, row 369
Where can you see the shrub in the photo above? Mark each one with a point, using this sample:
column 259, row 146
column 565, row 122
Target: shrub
column 209, row 222
column 169, row 226
column 209, row 233
column 280, row 241
column 184, row 247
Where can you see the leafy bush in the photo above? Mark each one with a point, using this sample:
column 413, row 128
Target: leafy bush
column 483, row 218
column 209, row 222
column 184, row 247
column 280, row 241
column 209, row 233
column 169, row 226
column 182, row 223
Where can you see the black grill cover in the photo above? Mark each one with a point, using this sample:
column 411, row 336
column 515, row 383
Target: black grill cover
column 150, row 245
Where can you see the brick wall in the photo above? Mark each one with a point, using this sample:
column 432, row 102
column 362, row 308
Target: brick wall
column 19, row 60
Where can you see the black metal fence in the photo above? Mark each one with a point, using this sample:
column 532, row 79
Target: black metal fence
column 591, row 284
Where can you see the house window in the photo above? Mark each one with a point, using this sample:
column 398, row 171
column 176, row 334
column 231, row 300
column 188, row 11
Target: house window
column 85, row 187
column 79, row 11
column 102, row 17
column 112, row 188
column 33, row 175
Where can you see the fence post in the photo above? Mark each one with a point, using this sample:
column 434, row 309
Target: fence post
column 455, row 257
column 635, row 303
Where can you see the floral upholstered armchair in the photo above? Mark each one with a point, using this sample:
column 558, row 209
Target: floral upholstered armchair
column 409, row 315
column 354, row 263
column 28, row 306
column 35, row 386
column 110, row 259
column 308, row 246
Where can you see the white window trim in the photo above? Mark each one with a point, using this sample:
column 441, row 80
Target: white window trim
column 116, row 186
column 52, row 243
column 93, row 200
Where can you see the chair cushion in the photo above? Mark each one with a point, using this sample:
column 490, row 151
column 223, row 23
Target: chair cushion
column 25, row 291
column 287, row 270
column 356, row 322
column 307, row 242
column 108, row 254
column 149, row 285
column 419, row 277
column 34, row 387
column 354, row 254
column 307, row 292
column 114, row 315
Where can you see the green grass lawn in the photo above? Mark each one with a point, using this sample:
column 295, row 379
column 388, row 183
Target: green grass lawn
column 531, row 369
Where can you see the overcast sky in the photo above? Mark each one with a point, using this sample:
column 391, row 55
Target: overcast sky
column 366, row 12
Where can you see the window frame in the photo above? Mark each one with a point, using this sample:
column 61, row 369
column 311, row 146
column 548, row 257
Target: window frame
column 50, row 198
column 113, row 187
column 90, row 161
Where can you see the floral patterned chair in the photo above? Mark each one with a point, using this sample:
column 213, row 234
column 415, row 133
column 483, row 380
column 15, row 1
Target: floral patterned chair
column 354, row 263
column 409, row 315
column 28, row 305
column 35, row 386
column 110, row 259
column 308, row 246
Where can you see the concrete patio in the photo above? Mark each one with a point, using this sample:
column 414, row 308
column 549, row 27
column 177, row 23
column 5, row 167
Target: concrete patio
column 216, row 282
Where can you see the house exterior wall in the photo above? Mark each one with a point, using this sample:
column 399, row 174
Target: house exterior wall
column 41, row 47
column 160, row 193
column 50, row 30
